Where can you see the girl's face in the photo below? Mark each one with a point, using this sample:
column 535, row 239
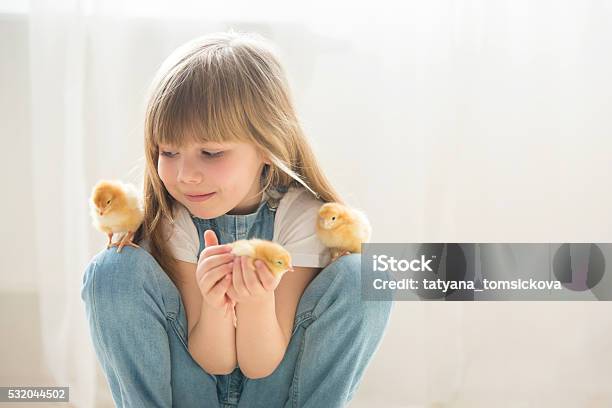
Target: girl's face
column 227, row 173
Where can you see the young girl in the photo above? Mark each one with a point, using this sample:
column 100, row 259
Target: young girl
column 227, row 160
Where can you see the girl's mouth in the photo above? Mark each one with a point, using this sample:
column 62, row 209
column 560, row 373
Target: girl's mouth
column 203, row 197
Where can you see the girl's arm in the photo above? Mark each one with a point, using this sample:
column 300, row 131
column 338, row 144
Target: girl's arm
column 260, row 340
column 211, row 336
column 212, row 342
column 265, row 325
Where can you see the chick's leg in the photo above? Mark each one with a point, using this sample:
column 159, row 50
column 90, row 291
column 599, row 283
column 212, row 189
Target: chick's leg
column 337, row 253
column 126, row 240
column 110, row 239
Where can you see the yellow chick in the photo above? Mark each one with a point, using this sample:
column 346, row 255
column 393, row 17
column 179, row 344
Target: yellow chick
column 276, row 258
column 342, row 229
column 116, row 208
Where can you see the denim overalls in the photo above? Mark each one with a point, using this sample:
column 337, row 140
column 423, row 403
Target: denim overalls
column 138, row 327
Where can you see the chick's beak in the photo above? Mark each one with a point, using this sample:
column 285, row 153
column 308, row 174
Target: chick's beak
column 290, row 268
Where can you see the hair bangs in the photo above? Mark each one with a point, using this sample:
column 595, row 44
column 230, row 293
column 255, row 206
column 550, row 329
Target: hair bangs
column 204, row 105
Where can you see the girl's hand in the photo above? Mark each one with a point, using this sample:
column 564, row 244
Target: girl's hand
column 251, row 283
column 213, row 272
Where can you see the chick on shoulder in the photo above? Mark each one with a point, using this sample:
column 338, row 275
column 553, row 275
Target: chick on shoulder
column 116, row 207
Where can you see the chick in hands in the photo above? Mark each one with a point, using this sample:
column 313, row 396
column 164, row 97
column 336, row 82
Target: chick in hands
column 276, row 258
column 116, row 208
column 342, row 229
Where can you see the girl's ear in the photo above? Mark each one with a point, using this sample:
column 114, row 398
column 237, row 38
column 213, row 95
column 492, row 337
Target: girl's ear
column 265, row 159
column 263, row 156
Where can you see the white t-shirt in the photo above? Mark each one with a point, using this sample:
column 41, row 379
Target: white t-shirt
column 294, row 229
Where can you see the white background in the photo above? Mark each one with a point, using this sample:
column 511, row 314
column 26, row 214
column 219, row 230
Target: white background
column 451, row 121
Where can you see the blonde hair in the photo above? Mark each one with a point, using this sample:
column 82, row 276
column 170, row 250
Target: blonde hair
column 224, row 87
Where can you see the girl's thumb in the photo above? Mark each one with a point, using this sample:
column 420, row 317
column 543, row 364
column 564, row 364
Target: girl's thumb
column 210, row 238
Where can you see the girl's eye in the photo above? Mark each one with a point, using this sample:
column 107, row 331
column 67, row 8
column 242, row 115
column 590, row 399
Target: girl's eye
column 212, row 154
column 168, row 154
column 204, row 152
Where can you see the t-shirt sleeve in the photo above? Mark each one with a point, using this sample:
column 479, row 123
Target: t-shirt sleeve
column 183, row 236
column 295, row 229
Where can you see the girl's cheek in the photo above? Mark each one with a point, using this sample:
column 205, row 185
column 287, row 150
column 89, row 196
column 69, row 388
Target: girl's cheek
column 164, row 170
column 215, row 173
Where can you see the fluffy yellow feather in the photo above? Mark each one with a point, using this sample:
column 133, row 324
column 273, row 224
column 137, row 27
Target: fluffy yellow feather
column 276, row 258
column 116, row 208
column 342, row 229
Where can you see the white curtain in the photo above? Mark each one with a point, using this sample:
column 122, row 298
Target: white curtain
column 58, row 73
column 452, row 121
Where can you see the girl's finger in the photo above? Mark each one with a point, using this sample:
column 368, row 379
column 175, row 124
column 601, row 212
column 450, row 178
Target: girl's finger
column 231, row 293
column 228, row 299
column 210, row 238
column 239, row 278
column 216, row 260
column 214, row 250
column 268, row 280
column 250, row 277
column 209, row 264
column 213, row 276
column 221, row 286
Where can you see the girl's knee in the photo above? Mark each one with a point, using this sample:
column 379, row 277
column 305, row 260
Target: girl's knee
column 348, row 284
column 346, row 272
column 125, row 294
column 116, row 278
column 128, row 258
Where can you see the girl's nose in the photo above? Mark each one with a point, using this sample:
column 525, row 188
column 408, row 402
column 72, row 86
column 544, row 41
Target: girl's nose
column 189, row 174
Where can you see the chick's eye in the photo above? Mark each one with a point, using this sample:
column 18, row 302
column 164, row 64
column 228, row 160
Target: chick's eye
column 279, row 262
column 108, row 202
column 333, row 218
